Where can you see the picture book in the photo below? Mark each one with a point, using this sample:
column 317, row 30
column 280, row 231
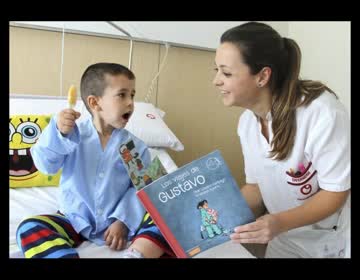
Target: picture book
column 197, row 206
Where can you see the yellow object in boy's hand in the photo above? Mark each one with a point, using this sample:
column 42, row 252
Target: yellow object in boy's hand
column 72, row 97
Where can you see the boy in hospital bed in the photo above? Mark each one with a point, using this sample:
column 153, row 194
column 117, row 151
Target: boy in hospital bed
column 98, row 201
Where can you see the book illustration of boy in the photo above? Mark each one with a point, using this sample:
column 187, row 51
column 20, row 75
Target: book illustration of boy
column 135, row 179
column 208, row 220
column 139, row 164
column 129, row 158
column 214, row 215
column 134, row 164
column 147, row 179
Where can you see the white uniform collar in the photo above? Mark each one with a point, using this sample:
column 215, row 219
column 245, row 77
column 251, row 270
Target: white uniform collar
column 268, row 116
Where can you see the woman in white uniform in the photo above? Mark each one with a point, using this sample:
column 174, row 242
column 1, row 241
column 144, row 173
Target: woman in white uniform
column 295, row 138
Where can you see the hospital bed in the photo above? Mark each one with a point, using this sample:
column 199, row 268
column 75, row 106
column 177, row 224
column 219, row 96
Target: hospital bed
column 146, row 123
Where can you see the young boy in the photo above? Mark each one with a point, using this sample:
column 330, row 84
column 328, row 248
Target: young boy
column 98, row 201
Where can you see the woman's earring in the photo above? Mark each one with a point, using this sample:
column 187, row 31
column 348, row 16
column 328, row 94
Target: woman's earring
column 259, row 85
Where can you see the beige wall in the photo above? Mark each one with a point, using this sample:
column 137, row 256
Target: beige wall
column 194, row 110
column 326, row 54
column 35, row 60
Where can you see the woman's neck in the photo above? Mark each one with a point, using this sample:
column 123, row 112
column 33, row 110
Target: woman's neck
column 263, row 105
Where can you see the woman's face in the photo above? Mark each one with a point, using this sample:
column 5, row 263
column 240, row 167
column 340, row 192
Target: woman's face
column 237, row 85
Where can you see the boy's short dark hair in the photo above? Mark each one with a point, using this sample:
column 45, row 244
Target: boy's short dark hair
column 201, row 203
column 93, row 80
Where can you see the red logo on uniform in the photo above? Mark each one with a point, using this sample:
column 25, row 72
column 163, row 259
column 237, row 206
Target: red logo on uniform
column 305, row 190
column 302, row 179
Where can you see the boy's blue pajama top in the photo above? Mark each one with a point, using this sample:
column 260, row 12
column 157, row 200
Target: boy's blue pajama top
column 95, row 189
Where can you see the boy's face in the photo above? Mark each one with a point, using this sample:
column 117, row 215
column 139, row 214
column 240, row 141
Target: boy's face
column 117, row 102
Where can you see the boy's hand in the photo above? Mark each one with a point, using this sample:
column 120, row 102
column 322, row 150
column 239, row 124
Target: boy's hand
column 116, row 235
column 66, row 120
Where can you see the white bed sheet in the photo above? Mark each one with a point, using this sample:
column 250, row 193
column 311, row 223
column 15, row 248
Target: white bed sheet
column 25, row 202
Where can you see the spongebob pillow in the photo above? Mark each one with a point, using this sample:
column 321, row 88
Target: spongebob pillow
column 24, row 131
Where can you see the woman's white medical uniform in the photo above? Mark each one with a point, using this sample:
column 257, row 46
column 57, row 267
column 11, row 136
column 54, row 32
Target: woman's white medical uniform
column 320, row 159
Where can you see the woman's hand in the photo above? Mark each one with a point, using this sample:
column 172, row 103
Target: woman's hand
column 262, row 230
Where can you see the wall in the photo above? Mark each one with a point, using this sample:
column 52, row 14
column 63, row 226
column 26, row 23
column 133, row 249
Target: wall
column 325, row 50
column 198, row 116
column 204, row 34
column 194, row 110
column 35, row 60
column 184, row 90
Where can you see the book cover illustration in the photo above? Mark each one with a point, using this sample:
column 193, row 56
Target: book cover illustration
column 139, row 175
column 197, row 206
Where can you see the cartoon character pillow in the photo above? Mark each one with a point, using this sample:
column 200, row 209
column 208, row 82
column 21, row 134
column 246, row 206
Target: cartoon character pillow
column 24, row 131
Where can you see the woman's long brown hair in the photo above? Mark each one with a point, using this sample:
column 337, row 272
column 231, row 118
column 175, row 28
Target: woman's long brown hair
column 261, row 46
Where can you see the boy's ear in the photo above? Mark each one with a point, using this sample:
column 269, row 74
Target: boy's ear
column 92, row 102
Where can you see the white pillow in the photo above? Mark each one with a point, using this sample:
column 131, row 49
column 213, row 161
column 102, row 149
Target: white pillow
column 39, row 105
column 147, row 124
column 80, row 106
